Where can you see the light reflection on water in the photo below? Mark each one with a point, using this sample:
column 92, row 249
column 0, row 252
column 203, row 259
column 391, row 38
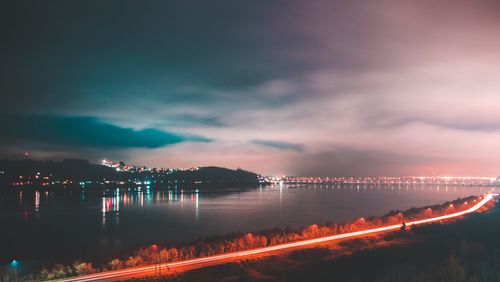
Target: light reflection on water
column 73, row 223
column 114, row 200
column 111, row 203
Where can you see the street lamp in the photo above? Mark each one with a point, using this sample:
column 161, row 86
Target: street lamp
column 14, row 264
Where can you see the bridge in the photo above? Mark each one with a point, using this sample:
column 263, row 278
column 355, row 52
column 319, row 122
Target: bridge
column 386, row 180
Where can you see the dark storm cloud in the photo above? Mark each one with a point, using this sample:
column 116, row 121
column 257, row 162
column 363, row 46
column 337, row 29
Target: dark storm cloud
column 97, row 54
column 84, row 132
column 281, row 145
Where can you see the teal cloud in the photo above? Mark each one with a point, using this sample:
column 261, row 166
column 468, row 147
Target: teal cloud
column 86, row 132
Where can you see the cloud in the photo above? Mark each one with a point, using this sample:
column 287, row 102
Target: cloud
column 281, row 145
column 377, row 81
column 345, row 161
column 462, row 125
column 191, row 120
column 85, row 132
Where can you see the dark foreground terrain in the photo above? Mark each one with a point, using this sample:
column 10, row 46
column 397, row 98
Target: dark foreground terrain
column 466, row 250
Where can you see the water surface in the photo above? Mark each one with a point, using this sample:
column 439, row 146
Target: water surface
column 64, row 225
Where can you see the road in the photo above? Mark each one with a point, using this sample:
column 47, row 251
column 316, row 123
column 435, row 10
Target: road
column 151, row 270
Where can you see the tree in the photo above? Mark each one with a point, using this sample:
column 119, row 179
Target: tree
column 44, row 274
column 133, row 261
column 81, row 268
column 58, row 271
column 249, row 240
column 115, row 264
column 310, row 232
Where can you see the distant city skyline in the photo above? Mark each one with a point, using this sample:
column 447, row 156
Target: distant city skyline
column 307, row 88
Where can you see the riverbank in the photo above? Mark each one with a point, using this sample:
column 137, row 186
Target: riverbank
column 248, row 246
column 465, row 250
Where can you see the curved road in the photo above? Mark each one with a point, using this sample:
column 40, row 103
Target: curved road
column 151, row 270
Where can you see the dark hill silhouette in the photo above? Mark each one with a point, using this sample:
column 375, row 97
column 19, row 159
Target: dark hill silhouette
column 74, row 171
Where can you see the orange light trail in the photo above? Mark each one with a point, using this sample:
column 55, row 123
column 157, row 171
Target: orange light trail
column 211, row 260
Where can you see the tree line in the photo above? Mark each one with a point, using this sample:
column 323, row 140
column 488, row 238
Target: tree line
column 241, row 242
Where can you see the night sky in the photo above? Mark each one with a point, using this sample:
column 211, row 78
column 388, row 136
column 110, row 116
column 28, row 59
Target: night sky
column 278, row 87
